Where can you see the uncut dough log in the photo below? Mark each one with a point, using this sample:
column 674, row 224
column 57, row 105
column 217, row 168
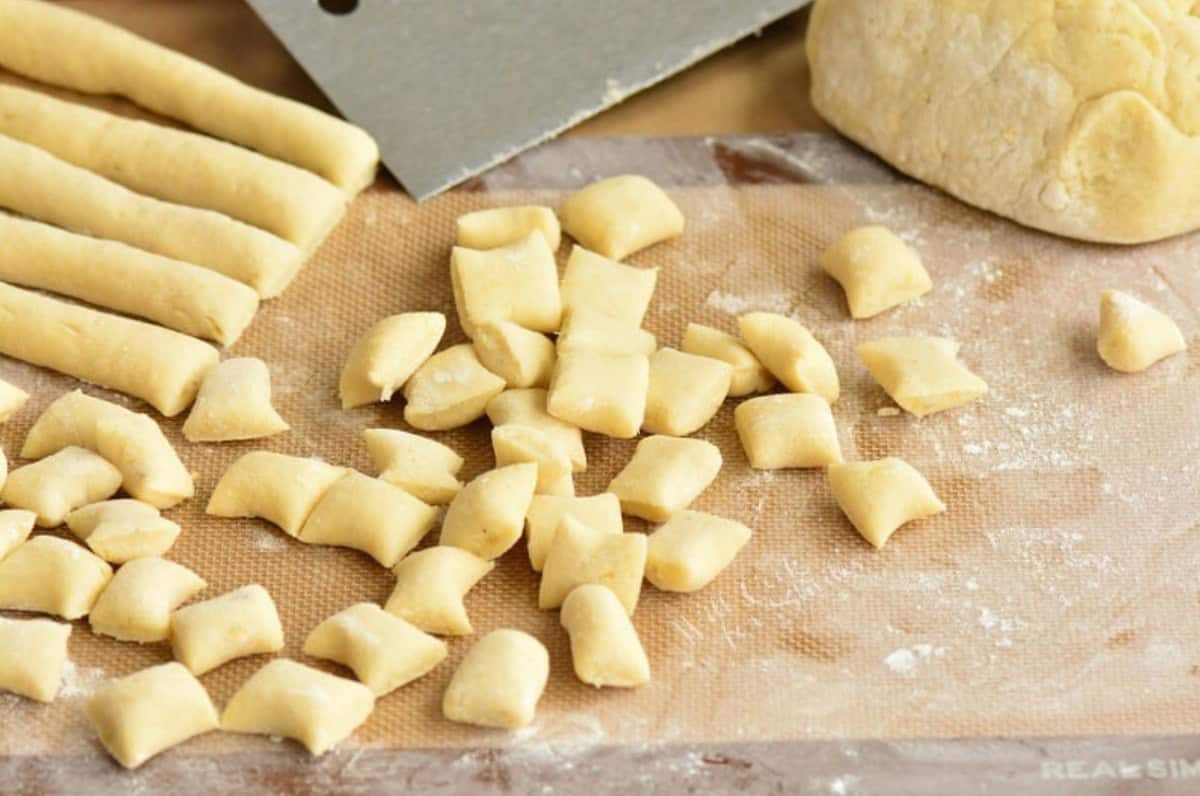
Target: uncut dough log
column 55, row 45
column 40, row 186
column 162, row 367
column 177, row 165
column 110, row 274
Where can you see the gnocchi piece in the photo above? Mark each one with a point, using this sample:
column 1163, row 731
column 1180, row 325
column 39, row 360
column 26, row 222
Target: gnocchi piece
column 388, row 355
column 791, row 353
column 519, row 444
column 791, row 430
column 52, row 576
column 691, row 549
column 597, row 284
column 450, row 390
column 278, row 488
column 370, row 515
column 501, row 226
column 879, row 496
column 620, row 215
column 749, row 376
column 33, row 653
column 150, row 711
column 605, row 648
column 425, row 469
column 521, row 357
column 431, row 585
column 921, row 374
column 487, row 516
column 580, row 554
column 12, row 398
column 499, row 681
column 601, row 512
column 586, row 329
column 382, row 650
column 528, row 408
column 601, row 393
column 288, row 699
column 234, row 403
column 685, row 391
column 665, row 475
column 122, row 530
column 54, row 486
column 876, row 269
column 1134, row 335
column 238, row 623
column 517, row 282
column 15, row 527
column 137, row 603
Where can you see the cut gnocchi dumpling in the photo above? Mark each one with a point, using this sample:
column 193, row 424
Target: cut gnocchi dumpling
column 241, row 622
column 791, row 353
column 15, row 527
column 501, row 226
column 137, row 603
column 234, row 403
column 499, row 681
column 620, row 215
column 49, row 575
column 528, row 408
column 122, row 530
column 278, row 488
column 594, row 283
column 879, row 496
column 425, row 469
column 586, row 329
column 431, row 585
column 1134, row 335
column 517, row 282
column 12, row 398
column 33, row 653
column 749, row 375
column 691, row 549
column 62, row 482
column 600, row 512
column 384, row 651
column 387, row 355
column 288, row 699
column 665, row 475
column 487, row 516
column 579, row 554
column 521, row 357
column 519, row 444
column 605, row 648
column 685, row 391
column 601, row 393
column 450, row 390
column 921, row 374
column 792, row 430
column 876, row 270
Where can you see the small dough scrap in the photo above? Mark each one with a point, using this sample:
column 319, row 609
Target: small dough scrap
column 685, row 391
column 150, row 711
column 52, row 576
column 879, row 496
column 15, row 527
column 791, row 430
column 289, row 699
column 12, row 398
column 423, row 468
column 517, row 282
column 876, row 269
column 605, row 648
column 487, row 516
column 241, row 622
column 586, row 329
column 450, row 390
column 665, row 475
column 592, row 282
column 122, row 530
column 518, row 444
column 388, row 355
column 137, row 603
column 620, row 215
column 431, row 585
column 528, row 408
column 502, row 226
column 749, row 376
column 921, row 374
column 521, row 357
column 791, row 353
column 278, row 488
column 234, row 403
column 600, row 512
column 384, row 651
column 601, row 393
column 580, row 554
column 33, row 653
column 691, row 549
column 1134, row 335
column 499, row 681
column 60, row 483
column 370, row 515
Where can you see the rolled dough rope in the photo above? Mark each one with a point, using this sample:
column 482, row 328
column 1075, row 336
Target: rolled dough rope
column 177, row 166
column 178, row 295
column 162, row 367
column 55, row 45
column 38, row 185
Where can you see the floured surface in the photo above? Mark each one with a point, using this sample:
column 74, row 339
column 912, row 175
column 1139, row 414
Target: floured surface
column 1056, row 596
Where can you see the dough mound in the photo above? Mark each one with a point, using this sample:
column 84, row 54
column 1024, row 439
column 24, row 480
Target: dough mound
column 1079, row 118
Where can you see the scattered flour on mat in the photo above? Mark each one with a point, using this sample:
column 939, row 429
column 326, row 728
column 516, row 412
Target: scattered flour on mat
column 269, row 542
column 906, row 659
column 734, row 304
column 79, row 681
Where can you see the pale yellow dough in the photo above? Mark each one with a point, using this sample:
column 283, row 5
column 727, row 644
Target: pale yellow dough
column 519, row 444
column 517, row 282
column 793, row 430
column 600, row 512
column 278, row 488
column 791, row 353
column 685, row 391
column 15, row 525
column 430, row 587
column 487, row 516
column 592, row 282
column 876, row 269
column 601, row 393
column 386, row 356
column 499, row 681
column 425, row 469
column 241, row 622
column 49, row 575
column 450, row 390
column 580, row 554
column 590, row 330
column 1133, row 335
column 501, row 226
column 33, row 653
column 12, row 398
column 620, row 215
column 521, row 357
column 137, row 603
column 62, row 482
column 665, row 475
column 122, row 530
column 921, row 374
column 234, row 403
column 605, row 648
column 691, row 549
column 528, row 408
column 749, row 376
column 879, row 496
